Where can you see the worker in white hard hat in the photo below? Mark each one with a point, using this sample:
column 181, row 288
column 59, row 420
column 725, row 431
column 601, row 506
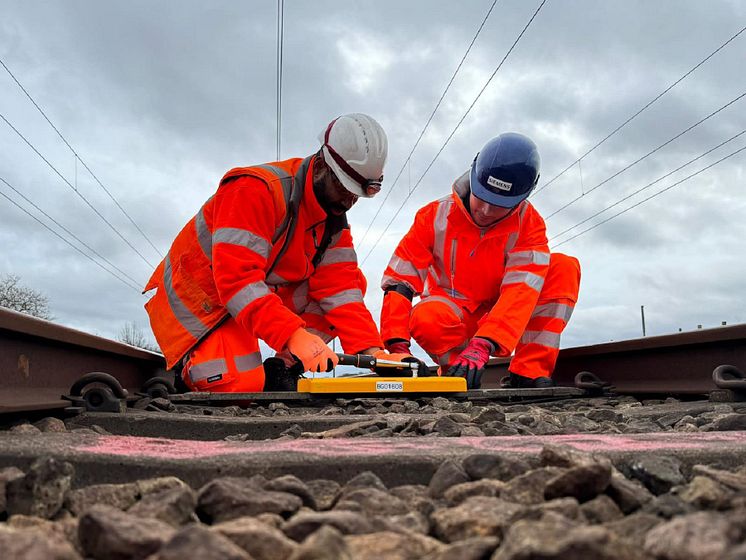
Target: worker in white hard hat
column 270, row 256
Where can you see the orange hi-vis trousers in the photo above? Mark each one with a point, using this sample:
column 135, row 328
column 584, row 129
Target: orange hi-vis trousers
column 443, row 327
column 228, row 359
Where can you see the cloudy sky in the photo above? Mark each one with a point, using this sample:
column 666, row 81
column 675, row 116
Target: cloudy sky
column 159, row 99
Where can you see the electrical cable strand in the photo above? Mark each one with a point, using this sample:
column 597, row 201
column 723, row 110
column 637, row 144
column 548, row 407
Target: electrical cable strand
column 658, row 180
column 679, row 135
column 429, row 120
column 280, row 40
column 401, row 207
column 78, row 158
column 82, row 197
column 102, row 267
column 656, row 98
column 649, row 198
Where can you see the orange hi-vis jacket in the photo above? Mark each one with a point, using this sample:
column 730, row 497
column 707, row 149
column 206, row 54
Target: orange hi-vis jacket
column 251, row 244
column 498, row 270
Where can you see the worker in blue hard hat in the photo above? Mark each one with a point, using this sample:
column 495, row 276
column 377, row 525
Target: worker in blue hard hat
column 487, row 285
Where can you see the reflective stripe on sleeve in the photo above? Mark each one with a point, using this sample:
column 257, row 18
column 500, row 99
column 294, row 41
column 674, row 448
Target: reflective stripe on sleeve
column 406, row 268
column 248, row 361
column 208, row 369
column 339, row 255
column 344, row 297
column 246, row 296
column 553, row 310
column 533, row 281
column 186, row 318
column 522, row 258
column 543, row 338
column 203, row 233
column 242, row 238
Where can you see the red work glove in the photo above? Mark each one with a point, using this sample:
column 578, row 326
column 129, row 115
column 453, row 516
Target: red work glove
column 472, row 361
column 398, row 346
column 312, row 351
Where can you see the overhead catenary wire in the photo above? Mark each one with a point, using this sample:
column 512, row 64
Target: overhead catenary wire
column 76, row 191
column 658, row 180
column 132, row 285
column 79, row 159
column 453, row 132
column 407, row 161
column 648, row 104
column 594, row 226
column 651, row 152
column 280, row 41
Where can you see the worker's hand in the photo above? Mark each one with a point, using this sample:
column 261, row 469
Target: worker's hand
column 471, row 362
column 312, row 351
column 398, row 346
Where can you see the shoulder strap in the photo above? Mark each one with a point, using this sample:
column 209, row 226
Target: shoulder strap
column 287, row 227
column 334, row 224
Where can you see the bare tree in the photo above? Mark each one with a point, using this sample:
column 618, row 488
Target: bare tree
column 133, row 335
column 17, row 297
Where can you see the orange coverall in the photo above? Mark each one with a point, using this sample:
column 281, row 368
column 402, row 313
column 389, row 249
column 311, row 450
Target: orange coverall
column 498, row 283
column 215, row 298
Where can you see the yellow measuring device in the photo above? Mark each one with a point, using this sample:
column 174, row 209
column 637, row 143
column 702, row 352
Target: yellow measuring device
column 383, row 385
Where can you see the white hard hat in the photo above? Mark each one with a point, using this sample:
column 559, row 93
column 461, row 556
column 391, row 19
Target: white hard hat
column 355, row 148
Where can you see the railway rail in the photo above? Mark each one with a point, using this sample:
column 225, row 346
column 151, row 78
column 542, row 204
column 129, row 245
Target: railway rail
column 137, row 469
column 41, row 361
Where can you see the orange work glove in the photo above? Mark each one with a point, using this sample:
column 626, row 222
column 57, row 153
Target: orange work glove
column 312, row 351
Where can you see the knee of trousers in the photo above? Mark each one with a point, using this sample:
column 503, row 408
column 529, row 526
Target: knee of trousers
column 562, row 280
column 436, row 327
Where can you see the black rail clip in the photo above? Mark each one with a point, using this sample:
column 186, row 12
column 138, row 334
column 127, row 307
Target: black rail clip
column 592, row 384
column 98, row 392
column 731, row 384
column 158, row 388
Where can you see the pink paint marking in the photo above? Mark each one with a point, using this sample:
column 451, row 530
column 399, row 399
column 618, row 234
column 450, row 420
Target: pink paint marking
column 163, row 448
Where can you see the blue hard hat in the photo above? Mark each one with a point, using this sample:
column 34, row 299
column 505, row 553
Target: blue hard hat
column 506, row 170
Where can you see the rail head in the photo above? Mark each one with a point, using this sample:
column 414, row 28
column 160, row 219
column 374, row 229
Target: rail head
column 13, row 323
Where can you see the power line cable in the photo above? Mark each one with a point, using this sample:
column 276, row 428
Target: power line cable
column 650, row 197
column 429, row 120
column 658, row 180
column 280, row 41
column 648, row 104
column 391, row 221
column 78, row 158
column 102, row 267
column 651, row 152
column 76, row 191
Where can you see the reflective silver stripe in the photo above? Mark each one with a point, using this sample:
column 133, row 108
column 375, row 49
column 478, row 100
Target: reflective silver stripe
column 186, row 318
column 203, row 233
column 353, row 295
column 531, row 280
column 244, row 238
column 339, row 255
column 440, row 225
column 406, row 268
column 248, row 361
column 300, row 297
column 543, row 338
column 275, row 279
column 455, row 308
column 279, row 171
column 207, row 369
column 245, row 296
column 510, row 244
column 523, row 258
column 554, row 310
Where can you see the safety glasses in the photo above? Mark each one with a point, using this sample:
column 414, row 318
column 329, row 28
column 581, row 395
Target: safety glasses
column 369, row 186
